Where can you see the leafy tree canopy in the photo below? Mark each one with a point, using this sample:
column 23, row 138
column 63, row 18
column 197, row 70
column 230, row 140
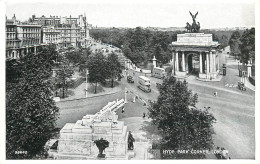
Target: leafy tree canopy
column 183, row 126
column 30, row 110
column 97, row 69
column 114, row 67
column 247, row 45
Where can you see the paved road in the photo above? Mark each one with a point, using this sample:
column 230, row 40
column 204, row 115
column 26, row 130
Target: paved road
column 71, row 111
column 233, row 109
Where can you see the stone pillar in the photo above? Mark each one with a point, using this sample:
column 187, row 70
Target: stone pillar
column 210, row 62
column 214, row 61
column 35, row 50
column 183, row 61
column 154, row 61
column 207, row 61
column 177, row 61
column 249, row 70
column 201, row 62
column 173, row 57
column 218, row 61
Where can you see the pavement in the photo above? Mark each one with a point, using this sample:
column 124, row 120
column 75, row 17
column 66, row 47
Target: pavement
column 80, row 92
column 249, row 85
column 233, row 109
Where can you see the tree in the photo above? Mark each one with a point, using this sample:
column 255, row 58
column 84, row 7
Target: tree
column 114, row 67
column 97, row 69
column 247, row 45
column 234, row 43
column 62, row 78
column 224, row 40
column 30, row 110
column 182, row 125
column 83, row 58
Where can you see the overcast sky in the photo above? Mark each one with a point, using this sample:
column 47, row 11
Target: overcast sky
column 162, row 13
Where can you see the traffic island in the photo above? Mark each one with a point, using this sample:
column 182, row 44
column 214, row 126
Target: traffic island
column 90, row 136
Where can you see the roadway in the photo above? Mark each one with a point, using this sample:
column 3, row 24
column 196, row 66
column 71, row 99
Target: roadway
column 233, row 109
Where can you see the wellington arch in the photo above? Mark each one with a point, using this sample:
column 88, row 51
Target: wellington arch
column 200, row 45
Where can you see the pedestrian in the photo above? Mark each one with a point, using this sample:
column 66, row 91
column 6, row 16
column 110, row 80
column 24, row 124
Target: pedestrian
column 130, row 141
column 144, row 115
column 123, row 109
column 215, row 94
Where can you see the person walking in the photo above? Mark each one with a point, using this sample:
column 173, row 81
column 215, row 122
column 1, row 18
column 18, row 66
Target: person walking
column 130, row 141
column 144, row 115
column 215, row 94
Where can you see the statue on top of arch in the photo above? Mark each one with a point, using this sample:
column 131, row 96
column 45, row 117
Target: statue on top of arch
column 195, row 27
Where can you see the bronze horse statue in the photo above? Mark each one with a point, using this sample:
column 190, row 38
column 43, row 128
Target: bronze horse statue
column 195, row 27
column 188, row 27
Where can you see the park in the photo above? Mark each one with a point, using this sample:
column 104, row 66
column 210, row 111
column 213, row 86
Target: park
column 150, row 95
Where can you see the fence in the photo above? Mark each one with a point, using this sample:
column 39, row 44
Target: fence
column 252, row 80
column 76, row 83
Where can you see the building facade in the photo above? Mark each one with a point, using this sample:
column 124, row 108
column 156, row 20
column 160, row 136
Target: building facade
column 21, row 38
column 51, row 35
column 64, row 31
column 25, row 37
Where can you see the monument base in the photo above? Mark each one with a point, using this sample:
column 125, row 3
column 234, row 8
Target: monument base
column 101, row 155
column 210, row 75
column 180, row 75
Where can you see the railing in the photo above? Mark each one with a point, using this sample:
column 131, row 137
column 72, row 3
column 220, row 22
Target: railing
column 76, row 83
column 251, row 80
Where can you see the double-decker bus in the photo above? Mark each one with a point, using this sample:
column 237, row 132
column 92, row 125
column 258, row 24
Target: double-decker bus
column 144, row 84
column 159, row 73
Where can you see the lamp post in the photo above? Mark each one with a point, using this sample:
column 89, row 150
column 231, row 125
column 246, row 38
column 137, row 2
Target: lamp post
column 125, row 96
column 86, row 83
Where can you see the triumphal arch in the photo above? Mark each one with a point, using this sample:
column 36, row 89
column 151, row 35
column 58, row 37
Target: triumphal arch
column 194, row 47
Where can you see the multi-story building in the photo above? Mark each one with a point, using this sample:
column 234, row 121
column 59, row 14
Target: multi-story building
column 21, row 38
column 70, row 35
column 72, row 31
column 51, row 35
column 45, row 21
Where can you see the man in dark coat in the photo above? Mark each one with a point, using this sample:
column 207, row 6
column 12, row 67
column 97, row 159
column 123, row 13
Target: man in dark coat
column 130, row 141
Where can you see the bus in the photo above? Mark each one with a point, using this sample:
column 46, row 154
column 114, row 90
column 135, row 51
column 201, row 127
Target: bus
column 144, row 84
column 159, row 72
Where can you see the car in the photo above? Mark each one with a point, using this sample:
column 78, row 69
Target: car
column 130, row 79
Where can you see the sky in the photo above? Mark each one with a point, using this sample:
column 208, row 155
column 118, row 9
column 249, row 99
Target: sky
column 112, row 13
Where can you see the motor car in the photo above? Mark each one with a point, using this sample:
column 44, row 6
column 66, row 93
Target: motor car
column 130, row 79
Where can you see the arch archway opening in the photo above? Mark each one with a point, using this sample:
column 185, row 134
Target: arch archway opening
column 193, row 63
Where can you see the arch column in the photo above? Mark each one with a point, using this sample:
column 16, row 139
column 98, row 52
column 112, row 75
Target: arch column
column 201, row 62
column 207, row 62
column 177, row 61
column 210, row 62
column 183, row 61
column 214, row 61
